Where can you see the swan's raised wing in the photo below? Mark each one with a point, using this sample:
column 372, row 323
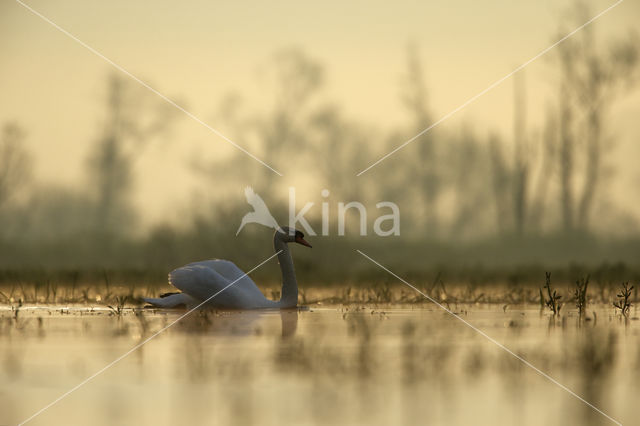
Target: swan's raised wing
column 197, row 281
column 204, row 279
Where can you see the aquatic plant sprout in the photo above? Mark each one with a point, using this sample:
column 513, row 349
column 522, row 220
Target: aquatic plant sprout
column 492, row 340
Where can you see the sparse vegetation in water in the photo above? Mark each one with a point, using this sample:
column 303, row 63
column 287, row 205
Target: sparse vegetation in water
column 16, row 310
column 95, row 288
column 624, row 299
column 553, row 300
column 118, row 310
column 382, row 294
column 581, row 294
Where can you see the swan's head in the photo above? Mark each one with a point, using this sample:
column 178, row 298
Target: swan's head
column 291, row 235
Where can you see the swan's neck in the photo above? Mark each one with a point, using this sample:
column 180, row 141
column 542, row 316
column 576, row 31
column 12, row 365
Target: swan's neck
column 289, row 298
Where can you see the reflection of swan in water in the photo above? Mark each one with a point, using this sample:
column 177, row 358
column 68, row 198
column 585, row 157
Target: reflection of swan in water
column 228, row 286
column 289, row 320
column 241, row 323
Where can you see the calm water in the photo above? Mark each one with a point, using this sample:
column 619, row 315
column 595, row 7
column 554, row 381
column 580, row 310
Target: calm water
column 326, row 365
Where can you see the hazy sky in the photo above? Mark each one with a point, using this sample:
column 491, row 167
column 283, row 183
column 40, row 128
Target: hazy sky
column 198, row 51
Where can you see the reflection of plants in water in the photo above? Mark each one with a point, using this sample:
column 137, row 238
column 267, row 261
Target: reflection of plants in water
column 475, row 363
column 425, row 355
column 594, row 362
column 363, row 355
column 416, row 357
column 365, row 360
column 624, row 299
column 596, row 354
column 142, row 322
column 339, row 365
column 311, row 356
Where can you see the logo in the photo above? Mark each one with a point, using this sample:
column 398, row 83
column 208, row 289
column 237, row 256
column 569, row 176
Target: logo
column 384, row 225
column 260, row 213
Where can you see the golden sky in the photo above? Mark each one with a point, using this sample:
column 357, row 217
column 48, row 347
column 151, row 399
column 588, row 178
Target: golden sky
column 198, row 51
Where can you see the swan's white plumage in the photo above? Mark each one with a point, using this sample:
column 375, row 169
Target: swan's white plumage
column 204, row 279
column 173, row 300
column 221, row 284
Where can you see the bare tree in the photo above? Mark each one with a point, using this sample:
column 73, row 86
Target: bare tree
column 15, row 163
column 521, row 157
column 134, row 116
column 511, row 179
column 501, row 179
column 282, row 132
column 590, row 79
column 546, row 143
column 337, row 144
column 566, row 154
column 426, row 176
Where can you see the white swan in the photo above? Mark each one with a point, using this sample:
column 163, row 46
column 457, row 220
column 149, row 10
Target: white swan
column 199, row 281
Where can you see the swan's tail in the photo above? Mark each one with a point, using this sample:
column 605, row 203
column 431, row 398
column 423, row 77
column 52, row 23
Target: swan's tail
column 172, row 300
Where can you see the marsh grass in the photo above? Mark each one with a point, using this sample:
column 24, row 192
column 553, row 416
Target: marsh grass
column 581, row 294
column 16, row 310
column 382, row 294
column 115, row 296
column 39, row 288
column 119, row 288
column 553, row 299
column 118, row 309
column 624, row 299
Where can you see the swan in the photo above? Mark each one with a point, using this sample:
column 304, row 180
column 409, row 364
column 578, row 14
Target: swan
column 198, row 281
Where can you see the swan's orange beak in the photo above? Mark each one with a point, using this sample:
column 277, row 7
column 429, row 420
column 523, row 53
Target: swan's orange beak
column 302, row 241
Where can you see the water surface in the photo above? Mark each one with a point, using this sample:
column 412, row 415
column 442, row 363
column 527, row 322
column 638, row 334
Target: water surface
column 357, row 364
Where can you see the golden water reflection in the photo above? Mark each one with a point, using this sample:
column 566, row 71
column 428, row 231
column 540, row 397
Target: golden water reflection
column 324, row 365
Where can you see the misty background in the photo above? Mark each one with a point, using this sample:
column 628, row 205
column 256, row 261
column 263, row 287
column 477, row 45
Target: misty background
column 98, row 172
